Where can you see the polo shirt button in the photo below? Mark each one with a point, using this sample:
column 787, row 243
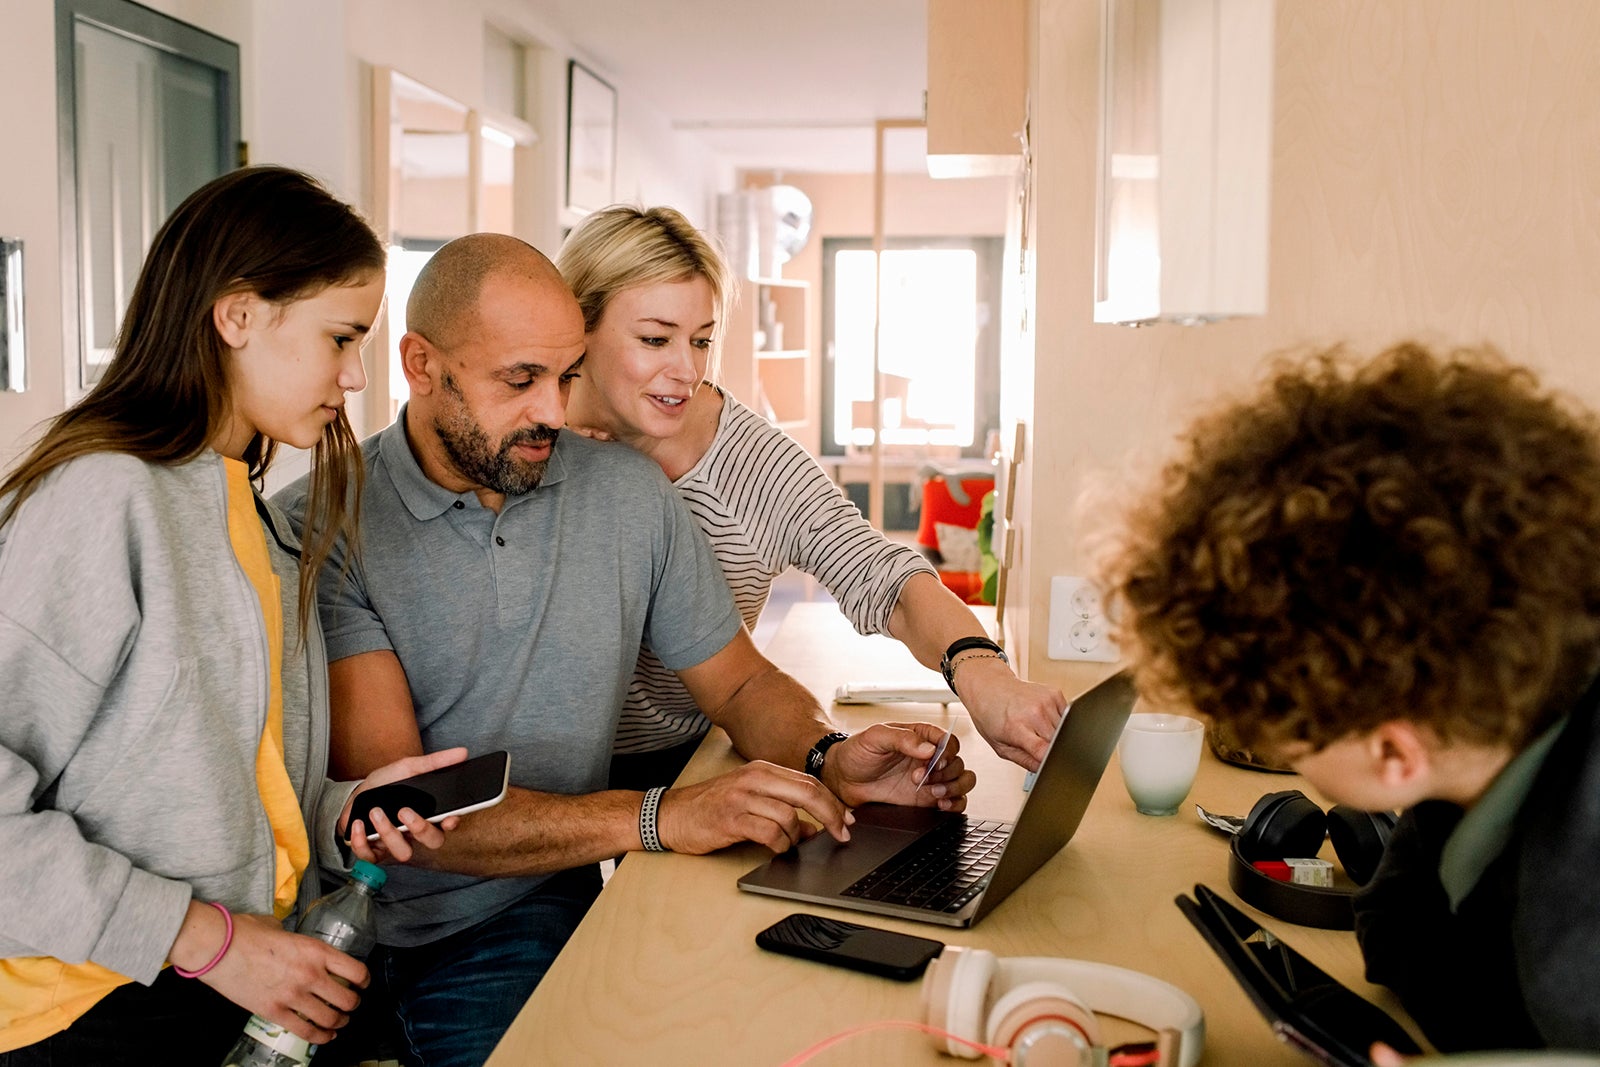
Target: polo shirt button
column 501, row 541
column 459, row 504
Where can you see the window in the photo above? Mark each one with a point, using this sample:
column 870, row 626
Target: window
column 939, row 354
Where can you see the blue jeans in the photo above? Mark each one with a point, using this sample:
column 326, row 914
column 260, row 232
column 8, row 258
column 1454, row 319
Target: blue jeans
column 456, row 996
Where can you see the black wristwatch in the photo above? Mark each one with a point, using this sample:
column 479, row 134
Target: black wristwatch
column 819, row 752
column 965, row 644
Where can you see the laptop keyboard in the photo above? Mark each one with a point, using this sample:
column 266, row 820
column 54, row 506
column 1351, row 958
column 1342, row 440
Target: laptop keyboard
column 940, row 871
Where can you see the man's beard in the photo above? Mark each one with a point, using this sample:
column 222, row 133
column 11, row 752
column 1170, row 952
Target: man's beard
column 476, row 458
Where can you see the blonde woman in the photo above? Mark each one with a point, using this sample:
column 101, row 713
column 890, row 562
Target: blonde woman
column 654, row 293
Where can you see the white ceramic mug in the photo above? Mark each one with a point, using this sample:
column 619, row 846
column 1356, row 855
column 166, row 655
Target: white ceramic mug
column 1159, row 755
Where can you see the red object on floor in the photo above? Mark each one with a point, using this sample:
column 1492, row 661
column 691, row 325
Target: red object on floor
column 939, row 506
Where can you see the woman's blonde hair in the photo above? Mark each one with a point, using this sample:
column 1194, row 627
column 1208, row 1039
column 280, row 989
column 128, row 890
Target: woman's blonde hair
column 623, row 247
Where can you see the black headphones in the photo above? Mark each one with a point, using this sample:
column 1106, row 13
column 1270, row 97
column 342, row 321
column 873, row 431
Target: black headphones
column 1287, row 824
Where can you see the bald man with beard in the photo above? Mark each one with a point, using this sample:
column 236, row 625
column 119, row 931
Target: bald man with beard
column 506, row 578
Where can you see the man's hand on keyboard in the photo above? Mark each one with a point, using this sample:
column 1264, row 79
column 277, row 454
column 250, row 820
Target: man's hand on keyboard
column 762, row 802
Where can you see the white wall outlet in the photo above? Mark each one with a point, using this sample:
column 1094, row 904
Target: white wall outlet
column 1078, row 625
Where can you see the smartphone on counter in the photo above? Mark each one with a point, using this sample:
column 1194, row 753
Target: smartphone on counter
column 848, row 944
column 458, row 789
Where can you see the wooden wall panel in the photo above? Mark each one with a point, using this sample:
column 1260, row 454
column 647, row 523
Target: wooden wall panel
column 1436, row 175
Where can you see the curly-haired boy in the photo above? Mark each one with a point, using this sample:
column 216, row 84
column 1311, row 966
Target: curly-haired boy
column 1388, row 576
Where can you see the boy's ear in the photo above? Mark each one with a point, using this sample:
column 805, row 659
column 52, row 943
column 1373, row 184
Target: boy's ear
column 234, row 315
column 1402, row 755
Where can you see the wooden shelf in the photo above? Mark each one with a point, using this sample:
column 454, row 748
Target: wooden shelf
column 781, row 310
column 783, row 385
column 774, row 381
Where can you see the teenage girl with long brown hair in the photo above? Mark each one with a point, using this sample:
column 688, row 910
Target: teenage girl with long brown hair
column 163, row 709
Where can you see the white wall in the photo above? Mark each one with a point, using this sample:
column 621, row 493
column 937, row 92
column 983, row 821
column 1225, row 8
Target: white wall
column 306, row 102
column 28, row 208
column 657, row 165
column 1436, row 171
column 29, row 200
column 299, row 99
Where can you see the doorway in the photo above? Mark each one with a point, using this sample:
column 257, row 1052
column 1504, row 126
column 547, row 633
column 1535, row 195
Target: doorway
column 444, row 170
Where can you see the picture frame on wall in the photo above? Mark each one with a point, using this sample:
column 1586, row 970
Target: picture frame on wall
column 13, row 362
column 591, row 140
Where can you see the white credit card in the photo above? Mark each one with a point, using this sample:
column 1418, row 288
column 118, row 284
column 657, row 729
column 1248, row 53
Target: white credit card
column 875, row 693
column 933, row 761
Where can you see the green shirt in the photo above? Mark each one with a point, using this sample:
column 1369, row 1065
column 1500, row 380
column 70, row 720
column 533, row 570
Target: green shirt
column 1482, row 833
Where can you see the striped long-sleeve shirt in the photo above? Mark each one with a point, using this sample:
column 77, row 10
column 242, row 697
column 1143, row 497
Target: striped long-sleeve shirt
column 767, row 506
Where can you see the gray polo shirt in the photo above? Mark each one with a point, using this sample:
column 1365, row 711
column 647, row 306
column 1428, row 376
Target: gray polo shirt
column 519, row 630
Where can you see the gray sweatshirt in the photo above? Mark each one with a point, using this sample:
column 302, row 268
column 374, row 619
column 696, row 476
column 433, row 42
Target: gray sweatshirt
column 133, row 695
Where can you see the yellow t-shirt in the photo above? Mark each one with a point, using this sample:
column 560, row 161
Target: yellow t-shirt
column 41, row 995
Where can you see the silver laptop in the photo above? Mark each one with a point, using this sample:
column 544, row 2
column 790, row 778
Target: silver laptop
column 940, row 867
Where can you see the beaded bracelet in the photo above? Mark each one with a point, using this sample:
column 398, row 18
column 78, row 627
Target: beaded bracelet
column 1001, row 656
column 649, row 820
column 227, row 939
column 947, row 663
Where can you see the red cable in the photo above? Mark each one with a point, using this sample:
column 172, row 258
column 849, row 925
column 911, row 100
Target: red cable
column 1134, row 1054
column 1003, row 1055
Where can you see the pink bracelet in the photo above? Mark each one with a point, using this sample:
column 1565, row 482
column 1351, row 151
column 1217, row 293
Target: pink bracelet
column 227, row 939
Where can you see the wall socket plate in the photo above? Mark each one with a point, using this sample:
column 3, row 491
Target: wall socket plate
column 1079, row 628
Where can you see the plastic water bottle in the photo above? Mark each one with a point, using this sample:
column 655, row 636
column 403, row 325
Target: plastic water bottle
column 345, row 920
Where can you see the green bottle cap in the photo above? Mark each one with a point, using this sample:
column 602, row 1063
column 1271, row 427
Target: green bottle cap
column 369, row 874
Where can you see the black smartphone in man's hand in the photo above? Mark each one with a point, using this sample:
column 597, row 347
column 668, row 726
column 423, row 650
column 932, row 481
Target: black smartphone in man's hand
column 848, row 944
column 468, row 786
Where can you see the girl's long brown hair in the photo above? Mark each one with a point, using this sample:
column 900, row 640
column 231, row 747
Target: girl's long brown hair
column 268, row 230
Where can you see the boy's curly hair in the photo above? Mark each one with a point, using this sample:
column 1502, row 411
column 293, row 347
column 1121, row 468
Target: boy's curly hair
column 1417, row 538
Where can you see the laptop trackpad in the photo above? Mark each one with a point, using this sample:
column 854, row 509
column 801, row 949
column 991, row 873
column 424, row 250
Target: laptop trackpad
column 824, row 866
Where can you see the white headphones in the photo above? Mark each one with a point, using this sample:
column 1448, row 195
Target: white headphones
column 1043, row 1009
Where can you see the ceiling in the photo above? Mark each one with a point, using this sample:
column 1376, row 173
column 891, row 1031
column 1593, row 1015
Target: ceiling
column 766, row 84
